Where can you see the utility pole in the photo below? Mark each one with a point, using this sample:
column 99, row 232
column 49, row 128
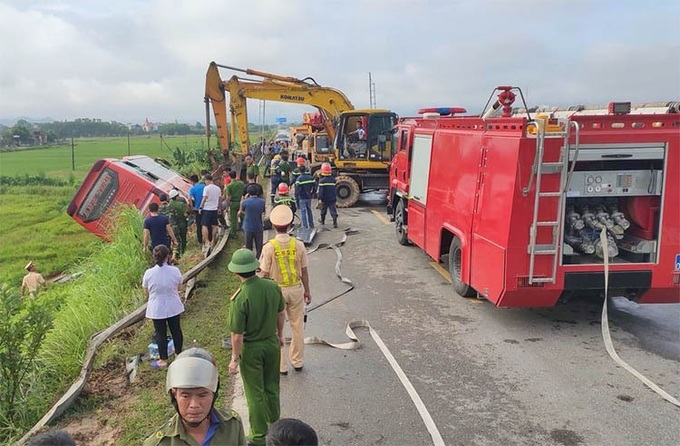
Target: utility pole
column 371, row 92
column 128, row 141
column 73, row 155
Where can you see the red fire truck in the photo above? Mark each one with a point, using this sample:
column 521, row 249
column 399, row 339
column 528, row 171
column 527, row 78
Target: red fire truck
column 515, row 204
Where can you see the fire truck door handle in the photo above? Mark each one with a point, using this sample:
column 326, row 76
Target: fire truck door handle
column 618, row 155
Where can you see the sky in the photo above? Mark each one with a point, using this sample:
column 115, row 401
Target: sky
column 130, row 60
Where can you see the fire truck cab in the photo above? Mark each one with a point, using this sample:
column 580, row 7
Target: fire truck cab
column 515, row 205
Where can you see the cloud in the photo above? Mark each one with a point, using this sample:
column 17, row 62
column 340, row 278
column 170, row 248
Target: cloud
column 132, row 59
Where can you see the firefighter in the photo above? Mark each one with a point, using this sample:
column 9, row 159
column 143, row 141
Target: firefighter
column 256, row 321
column 192, row 383
column 284, row 259
column 284, row 198
column 305, row 189
column 327, row 195
column 300, row 162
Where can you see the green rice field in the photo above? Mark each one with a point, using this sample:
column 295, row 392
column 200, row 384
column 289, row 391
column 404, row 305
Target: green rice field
column 56, row 161
column 34, row 224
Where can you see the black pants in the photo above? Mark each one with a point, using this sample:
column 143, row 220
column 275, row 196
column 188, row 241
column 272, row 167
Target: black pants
column 199, row 227
column 254, row 237
column 160, row 326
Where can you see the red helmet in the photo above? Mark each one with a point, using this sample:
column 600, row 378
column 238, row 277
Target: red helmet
column 300, row 161
column 326, row 169
column 283, row 188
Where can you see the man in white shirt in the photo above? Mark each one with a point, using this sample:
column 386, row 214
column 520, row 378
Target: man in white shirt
column 210, row 204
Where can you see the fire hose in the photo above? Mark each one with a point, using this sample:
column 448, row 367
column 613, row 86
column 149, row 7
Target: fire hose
column 606, row 336
column 355, row 344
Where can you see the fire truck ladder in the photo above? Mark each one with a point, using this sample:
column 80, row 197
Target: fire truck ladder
column 539, row 169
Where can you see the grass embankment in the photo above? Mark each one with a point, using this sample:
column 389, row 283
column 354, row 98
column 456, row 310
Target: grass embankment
column 132, row 412
column 35, row 226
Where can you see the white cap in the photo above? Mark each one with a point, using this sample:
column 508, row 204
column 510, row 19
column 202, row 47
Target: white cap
column 281, row 215
column 173, row 193
column 192, row 373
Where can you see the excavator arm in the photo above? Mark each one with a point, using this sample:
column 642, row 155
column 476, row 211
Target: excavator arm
column 329, row 101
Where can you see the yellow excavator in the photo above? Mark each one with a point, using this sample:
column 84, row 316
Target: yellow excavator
column 361, row 139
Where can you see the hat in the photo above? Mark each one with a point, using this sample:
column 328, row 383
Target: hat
column 173, row 193
column 243, row 261
column 281, row 216
column 277, row 157
column 29, row 265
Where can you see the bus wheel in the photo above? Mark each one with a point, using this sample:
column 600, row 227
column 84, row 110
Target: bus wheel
column 347, row 190
column 455, row 269
column 399, row 224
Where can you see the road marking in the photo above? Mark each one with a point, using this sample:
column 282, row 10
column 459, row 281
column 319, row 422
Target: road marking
column 380, row 216
column 441, row 270
column 437, row 439
column 446, row 275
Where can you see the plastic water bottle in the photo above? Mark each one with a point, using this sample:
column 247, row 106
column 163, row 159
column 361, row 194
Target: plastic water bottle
column 153, row 351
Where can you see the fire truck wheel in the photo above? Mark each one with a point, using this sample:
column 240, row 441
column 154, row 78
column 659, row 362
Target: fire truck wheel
column 399, row 220
column 347, row 190
column 455, row 269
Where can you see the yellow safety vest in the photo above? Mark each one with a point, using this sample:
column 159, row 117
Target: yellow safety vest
column 289, row 274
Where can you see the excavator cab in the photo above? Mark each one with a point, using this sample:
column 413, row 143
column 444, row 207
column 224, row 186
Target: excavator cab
column 365, row 136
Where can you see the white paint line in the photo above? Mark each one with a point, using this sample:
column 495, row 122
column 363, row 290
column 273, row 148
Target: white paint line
column 437, row 439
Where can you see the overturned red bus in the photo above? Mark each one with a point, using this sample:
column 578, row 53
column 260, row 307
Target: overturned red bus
column 134, row 180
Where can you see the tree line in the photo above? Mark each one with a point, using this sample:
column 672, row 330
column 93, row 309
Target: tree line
column 24, row 133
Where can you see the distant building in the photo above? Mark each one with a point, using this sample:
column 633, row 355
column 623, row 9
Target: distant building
column 149, row 126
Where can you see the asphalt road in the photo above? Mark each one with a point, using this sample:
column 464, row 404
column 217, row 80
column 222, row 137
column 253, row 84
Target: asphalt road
column 486, row 376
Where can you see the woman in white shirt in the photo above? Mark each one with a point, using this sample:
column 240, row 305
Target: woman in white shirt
column 162, row 285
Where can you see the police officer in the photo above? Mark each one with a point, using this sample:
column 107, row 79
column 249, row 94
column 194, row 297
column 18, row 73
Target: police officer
column 327, row 194
column 284, row 259
column 192, row 383
column 256, row 321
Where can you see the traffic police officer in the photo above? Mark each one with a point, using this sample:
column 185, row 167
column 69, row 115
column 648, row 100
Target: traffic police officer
column 192, row 383
column 256, row 321
column 284, row 259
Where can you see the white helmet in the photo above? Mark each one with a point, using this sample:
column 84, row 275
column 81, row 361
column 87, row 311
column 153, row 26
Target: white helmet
column 193, row 368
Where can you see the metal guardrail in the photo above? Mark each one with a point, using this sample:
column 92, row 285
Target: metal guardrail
column 100, row 337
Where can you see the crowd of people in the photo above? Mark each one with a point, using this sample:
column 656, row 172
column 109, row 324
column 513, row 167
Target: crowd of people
column 274, row 287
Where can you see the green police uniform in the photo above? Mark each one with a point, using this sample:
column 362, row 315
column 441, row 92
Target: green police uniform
column 285, row 172
column 235, row 191
column 228, row 431
column 254, row 168
column 178, row 220
column 254, row 313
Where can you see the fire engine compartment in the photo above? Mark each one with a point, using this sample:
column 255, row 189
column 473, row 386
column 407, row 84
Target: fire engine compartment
column 620, row 188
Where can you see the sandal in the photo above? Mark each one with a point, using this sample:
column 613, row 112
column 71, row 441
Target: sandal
column 156, row 365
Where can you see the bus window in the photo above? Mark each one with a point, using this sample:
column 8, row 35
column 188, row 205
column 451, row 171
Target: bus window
column 100, row 195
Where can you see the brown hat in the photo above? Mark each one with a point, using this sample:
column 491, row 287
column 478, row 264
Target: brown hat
column 281, row 216
column 29, row 265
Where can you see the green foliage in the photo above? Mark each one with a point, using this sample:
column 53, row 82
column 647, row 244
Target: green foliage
column 24, row 324
column 108, row 289
column 39, row 179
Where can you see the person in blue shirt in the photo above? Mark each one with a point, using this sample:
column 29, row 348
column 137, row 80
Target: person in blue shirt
column 195, row 197
column 252, row 210
column 304, row 191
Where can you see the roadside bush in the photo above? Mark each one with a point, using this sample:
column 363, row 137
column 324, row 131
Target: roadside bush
column 108, row 289
column 33, row 180
column 24, row 323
